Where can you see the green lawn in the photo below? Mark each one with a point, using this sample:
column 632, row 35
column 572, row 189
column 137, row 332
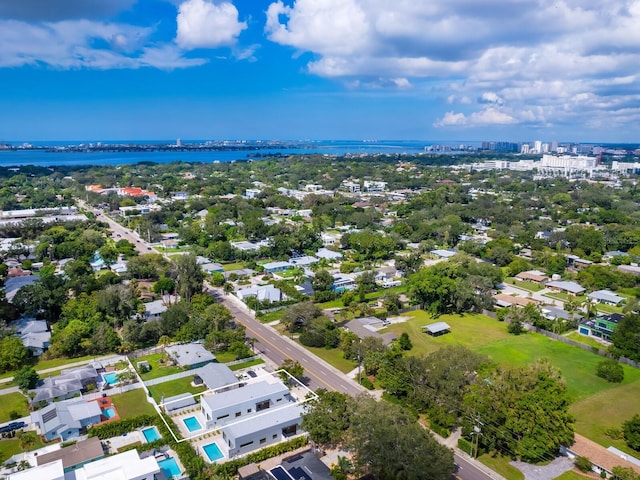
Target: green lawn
column 271, row 316
column 529, row 286
column 565, row 297
column 502, row 466
column 10, row 447
column 250, row 363
column 13, row 402
column 601, row 307
column 334, row 357
column 132, row 403
column 592, row 342
column 470, row 330
column 174, row 387
column 157, row 369
column 233, row 266
column 608, row 409
column 573, row 475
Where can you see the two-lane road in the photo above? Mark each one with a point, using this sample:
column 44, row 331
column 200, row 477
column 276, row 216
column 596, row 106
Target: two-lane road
column 278, row 348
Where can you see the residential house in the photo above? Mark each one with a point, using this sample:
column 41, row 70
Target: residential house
column 76, row 455
column 262, row 430
column 215, row 376
column 368, row 327
column 602, row 326
column 330, row 239
column 607, row 297
column 273, row 267
column 555, row 313
column 13, row 284
column 230, row 406
column 344, row 281
column 444, row 254
column 387, row 277
column 602, row 459
column 535, row 276
column 153, row 310
column 190, row 355
column 122, row 466
column 50, row 471
column 504, row 300
column 303, row 261
column 212, row 267
column 66, row 419
column 328, row 254
column 68, row 383
column 35, row 334
column 575, row 263
column 264, row 293
column 178, row 402
column 570, row 288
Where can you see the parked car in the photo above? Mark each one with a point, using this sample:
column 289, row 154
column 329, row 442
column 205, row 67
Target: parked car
column 10, row 427
column 251, row 373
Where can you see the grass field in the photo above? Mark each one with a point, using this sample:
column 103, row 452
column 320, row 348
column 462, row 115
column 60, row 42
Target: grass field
column 573, row 475
column 250, row 363
column 592, row 342
column 271, row 316
column 157, row 369
column 334, row 357
column 233, row 266
column 502, row 466
column 13, row 402
column 470, row 330
column 132, row 403
column 596, row 404
column 174, row 387
column 529, row 286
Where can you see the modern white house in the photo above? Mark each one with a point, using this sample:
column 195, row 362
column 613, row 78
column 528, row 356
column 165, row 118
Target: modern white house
column 233, row 405
column 50, row 471
column 267, row 293
column 262, row 429
column 123, row 466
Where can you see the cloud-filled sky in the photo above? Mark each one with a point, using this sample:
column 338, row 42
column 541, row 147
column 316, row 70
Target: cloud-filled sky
column 566, row 70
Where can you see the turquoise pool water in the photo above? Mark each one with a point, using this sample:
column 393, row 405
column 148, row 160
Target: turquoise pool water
column 213, row 452
column 111, row 377
column 192, row 424
column 109, row 412
column 170, row 467
column 151, row 434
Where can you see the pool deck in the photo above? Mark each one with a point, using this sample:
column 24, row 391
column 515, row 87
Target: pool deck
column 106, row 402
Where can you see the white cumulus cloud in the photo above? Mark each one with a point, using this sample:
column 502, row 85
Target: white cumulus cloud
column 204, row 24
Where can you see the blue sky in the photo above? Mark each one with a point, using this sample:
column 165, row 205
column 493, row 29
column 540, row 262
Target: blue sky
column 563, row 70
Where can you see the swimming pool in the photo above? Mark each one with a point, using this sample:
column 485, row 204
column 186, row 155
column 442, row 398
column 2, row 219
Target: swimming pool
column 192, row 424
column 151, row 434
column 111, row 378
column 109, row 412
column 170, row 467
column 213, row 452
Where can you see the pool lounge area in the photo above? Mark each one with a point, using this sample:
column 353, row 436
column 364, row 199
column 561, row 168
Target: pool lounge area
column 192, row 424
column 212, row 452
column 151, row 434
column 110, row 378
column 169, row 467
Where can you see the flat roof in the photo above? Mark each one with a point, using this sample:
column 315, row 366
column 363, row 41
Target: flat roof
column 50, row 471
column 272, row 417
column 252, row 391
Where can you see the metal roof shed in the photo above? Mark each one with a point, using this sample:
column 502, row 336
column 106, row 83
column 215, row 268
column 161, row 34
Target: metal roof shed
column 436, row 329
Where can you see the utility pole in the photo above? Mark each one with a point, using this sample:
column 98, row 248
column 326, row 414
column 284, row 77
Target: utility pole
column 476, row 439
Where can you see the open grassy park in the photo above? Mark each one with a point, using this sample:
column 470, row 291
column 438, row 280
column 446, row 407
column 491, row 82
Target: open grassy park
column 596, row 404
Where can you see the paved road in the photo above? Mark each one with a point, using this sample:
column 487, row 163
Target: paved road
column 278, row 348
column 119, row 232
column 471, row 471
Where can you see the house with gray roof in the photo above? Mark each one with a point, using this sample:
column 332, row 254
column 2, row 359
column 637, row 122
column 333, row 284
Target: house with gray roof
column 607, row 297
column 153, row 310
column 328, row 254
column 216, row 376
column 368, row 327
column 190, row 355
column 554, row 313
column 66, row 419
column 264, row 293
column 571, row 288
column 35, row 334
column 75, row 455
column 274, row 267
column 68, row 383
column 13, row 284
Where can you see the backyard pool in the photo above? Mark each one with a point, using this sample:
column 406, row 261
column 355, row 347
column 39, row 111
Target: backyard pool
column 151, row 434
column 213, row 452
column 109, row 412
column 111, row 378
column 192, row 424
column 170, row 467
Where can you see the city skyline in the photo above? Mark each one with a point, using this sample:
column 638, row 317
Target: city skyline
column 304, row 69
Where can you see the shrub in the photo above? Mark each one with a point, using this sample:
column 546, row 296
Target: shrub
column 439, row 429
column 610, row 370
column 583, row 464
column 13, row 415
column 366, row 383
column 614, row 433
column 465, row 445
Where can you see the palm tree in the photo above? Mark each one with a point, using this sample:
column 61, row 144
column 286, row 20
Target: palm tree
column 27, row 440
